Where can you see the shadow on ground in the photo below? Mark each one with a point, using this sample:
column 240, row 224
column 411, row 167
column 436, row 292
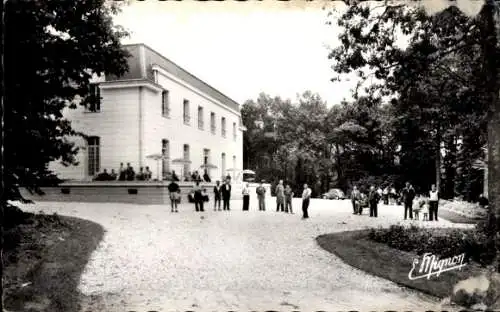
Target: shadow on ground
column 45, row 256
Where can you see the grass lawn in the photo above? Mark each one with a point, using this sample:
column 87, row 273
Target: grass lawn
column 44, row 258
column 454, row 217
column 378, row 259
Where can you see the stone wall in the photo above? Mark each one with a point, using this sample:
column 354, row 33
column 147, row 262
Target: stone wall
column 133, row 192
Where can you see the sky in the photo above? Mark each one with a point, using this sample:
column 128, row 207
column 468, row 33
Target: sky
column 245, row 48
column 242, row 48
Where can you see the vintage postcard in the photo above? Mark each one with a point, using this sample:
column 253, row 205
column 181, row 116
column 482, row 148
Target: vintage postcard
column 250, row 155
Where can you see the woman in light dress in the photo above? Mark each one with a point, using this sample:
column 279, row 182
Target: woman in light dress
column 246, row 197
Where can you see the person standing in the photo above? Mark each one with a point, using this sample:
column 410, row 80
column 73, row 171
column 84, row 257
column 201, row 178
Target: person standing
column 246, row 197
column 280, row 197
column 226, row 195
column 198, row 197
column 217, row 195
column 306, row 196
column 433, row 203
column 393, row 195
column 261, row 195
column 380, row 192
column 122, row 173
column 408, row 196
column 288, row 199
column 173, row 190
column 355, row 197
column 385, row 195
column 373, row 199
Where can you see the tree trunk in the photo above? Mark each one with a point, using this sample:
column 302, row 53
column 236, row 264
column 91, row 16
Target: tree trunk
column 340, row 177
column 490, row 75
column 485, row 176
column 438, row 157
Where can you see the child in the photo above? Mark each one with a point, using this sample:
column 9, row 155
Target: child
column 416, row 207
column 425, row 209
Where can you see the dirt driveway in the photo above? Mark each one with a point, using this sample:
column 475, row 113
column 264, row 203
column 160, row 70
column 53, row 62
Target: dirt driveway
column 152, row 260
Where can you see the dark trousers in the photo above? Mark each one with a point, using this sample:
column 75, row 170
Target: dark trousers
column 173, row 202
column 246, row 201
column 198, row 204
column 354, row 208
column 433, row 210
column 408, row 207
column 288, row 203
column 262, row 203
column 305, row 206
column 279, row 204
column 385, row 197
column 225, row 204
column 217, row 202
column 373, row 209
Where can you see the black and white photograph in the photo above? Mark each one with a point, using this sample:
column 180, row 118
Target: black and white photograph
column 162, row 156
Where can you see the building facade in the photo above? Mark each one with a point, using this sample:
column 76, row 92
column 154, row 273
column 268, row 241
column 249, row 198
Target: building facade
column 156, row 108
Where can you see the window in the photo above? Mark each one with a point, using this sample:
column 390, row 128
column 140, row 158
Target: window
column 234, row 162
column 200, row 117
column 186, row 112
column 94, row 160
column 186, row 157
column 213, row 128
column 165, row 152
column 223, row 127
column 165, row 106
column 206, row 156
column 234, row 131
column 94, row 105
column 223, row 163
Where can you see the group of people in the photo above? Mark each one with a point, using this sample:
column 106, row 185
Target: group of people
column 199, row 195
column 426, row 203
column 222, row 193
column 360, row 201
column 284, row 195
column 125, row 174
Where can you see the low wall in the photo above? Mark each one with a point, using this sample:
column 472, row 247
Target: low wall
column 132, row 192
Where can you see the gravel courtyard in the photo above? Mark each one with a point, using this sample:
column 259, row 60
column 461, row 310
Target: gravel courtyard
column 153, row 260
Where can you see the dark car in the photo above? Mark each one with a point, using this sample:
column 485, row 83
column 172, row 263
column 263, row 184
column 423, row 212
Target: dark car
column 334, row 194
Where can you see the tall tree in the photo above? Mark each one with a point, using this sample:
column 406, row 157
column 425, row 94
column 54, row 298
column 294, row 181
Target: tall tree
column 52, row 49
column 369, row 40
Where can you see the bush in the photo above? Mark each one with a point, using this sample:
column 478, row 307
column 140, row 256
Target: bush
column 441, row 242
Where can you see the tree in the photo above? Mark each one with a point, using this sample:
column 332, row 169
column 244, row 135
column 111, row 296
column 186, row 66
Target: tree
column 369, row 44
column 67, row 42
column 51, row 51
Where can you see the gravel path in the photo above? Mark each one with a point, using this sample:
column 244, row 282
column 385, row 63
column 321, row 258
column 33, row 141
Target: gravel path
column 152, row 260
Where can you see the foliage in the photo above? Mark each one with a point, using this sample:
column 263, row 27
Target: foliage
column 64, row 44
column 442, row 242
column 430, row 70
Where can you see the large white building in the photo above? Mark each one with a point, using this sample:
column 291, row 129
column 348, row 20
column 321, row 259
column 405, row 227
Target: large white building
column 156, row 108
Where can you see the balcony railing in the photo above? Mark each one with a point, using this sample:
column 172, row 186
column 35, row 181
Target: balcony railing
column 223, row 132
column 213, row 129
column 200, row 124
column 187, row 120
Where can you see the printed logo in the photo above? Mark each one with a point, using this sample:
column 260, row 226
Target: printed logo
column 431, row 265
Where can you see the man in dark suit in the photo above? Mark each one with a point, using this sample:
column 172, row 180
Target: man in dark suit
column 373, row 199
column 226, row 195
column 217, row 195
column 408, row 194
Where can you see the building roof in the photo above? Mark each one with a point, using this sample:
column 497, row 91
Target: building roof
column 143, row 69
